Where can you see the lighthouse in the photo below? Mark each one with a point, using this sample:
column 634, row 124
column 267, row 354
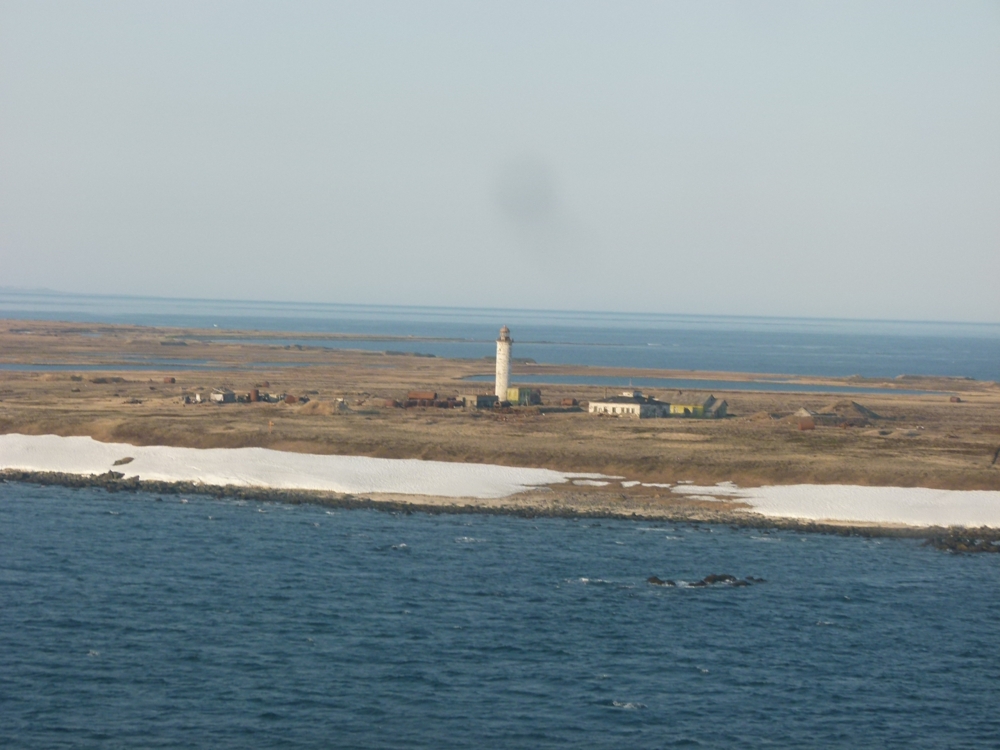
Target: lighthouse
column 503, row 363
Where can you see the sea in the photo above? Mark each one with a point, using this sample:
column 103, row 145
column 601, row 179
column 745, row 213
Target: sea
column 131, row 620
column 135, row 620
column 767, row 346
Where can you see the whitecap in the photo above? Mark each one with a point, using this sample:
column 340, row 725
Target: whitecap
column 628, row 705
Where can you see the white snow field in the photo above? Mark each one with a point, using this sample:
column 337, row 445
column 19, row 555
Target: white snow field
column 262, row 467
column 915, row 506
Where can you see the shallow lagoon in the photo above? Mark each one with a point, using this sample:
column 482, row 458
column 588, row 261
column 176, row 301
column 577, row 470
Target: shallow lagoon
column 128, row 621
column 803, row 346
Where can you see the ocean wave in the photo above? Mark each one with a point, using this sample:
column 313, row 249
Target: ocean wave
column 628, row 705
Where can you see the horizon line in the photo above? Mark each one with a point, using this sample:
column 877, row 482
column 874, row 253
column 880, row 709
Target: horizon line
column 460, row 308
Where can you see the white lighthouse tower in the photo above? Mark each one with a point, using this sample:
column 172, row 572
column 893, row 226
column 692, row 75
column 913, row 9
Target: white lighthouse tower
column 503, row 363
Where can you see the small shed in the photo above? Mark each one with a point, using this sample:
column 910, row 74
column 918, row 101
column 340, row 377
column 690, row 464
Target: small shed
column 223, row 396
column 479, row 400
column 524, row 396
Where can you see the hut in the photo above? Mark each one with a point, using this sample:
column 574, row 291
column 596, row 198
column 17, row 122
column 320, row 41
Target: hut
column 223, row 396
column 524, row 396
column 479, row 400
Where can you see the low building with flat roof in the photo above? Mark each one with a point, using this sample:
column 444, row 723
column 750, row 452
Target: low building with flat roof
column 634, row 404
column 630, row 404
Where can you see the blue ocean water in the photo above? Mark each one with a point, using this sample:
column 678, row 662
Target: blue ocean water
column 131, row 622
column 791, row 346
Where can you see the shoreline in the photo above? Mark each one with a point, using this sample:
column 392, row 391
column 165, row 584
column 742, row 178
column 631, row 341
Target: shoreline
column 484, row 487
column 951, row 538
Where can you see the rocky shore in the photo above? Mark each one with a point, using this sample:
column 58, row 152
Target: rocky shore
column 577, row 505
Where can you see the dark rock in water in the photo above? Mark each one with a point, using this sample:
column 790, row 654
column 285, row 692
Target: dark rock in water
column 751, row 579
column 967, row 540
column 716, row 578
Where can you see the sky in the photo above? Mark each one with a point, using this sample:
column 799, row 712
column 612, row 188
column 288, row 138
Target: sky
column 822, row 159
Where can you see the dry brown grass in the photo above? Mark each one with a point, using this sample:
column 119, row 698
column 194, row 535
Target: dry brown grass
column 921, row 441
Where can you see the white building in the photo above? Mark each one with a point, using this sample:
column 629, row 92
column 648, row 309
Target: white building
column 504, row 345
column 630, row 404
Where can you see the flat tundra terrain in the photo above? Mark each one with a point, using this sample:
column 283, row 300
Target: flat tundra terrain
column 83, row 384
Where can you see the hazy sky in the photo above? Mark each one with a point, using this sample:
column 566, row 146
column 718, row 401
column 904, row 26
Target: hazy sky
column 805, row 158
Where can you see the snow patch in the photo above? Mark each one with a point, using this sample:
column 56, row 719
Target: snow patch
column 916, row 506
column 262, row 467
